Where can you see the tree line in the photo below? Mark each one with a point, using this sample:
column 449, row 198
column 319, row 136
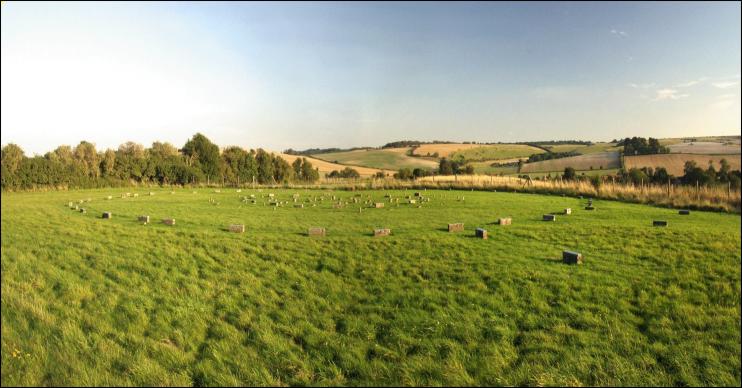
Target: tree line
column 692, row 175
column 198, row 161
column 642, row 146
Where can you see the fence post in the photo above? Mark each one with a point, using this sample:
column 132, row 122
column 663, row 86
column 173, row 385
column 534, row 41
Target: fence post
column 698, row 193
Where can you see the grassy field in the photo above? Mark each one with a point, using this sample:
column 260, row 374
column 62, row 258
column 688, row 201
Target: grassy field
column 88, row 301
column 582, row 148
column 442, row 149
column 391, row 159
column 487, row 168
column 326, row 167
column 598, row 161
column 496, row 151
column 675, row 163
column 705, row 148
column 712, row 139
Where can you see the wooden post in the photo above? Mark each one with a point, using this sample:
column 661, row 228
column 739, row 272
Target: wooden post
column 698, row 193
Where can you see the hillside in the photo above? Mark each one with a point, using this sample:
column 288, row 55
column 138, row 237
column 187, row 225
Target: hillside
column 327, row 167
column 593, row 161
column 389, row 158
column 674, row 163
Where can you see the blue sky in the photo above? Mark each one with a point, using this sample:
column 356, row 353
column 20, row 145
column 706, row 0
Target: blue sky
column 299, row 75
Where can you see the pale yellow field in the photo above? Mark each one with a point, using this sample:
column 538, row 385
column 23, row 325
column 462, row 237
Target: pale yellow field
column 443, row 150
column 705, row 147
column 327, row 167
column 595, row 161
column 674, row 163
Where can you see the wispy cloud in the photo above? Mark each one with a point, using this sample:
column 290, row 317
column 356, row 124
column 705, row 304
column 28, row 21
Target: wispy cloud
column 691, row 82
column 642, row 86
column 669, row 94
column 725, row 84
column 621, row 34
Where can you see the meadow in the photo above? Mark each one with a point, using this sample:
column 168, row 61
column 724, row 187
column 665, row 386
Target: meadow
column 705, row 148
column 582, row 148
column 675, row 163
column 88, row 301
column 592, row 161
column 325, row 167
column 390, row 159
column 496, row 151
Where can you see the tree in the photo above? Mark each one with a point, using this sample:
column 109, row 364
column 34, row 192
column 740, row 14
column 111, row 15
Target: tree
column 163, row 151
column 282, row 171
column 308, row 172
column 265, row 166
column 12, row 156
column 131, row 161
column 404, row 173
column 86, row 156
column 238, row 165
column 445, row 167
column 108, row 162
column 204, row 154
column 569, row 174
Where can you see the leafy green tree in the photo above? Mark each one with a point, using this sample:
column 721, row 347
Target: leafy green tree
column 265, row 166
column 108, row 162
column 569, row 174
column 404, row 173
column 86, row 156
column 282, row 171
column 204, row 154
column 445, row 167
column 308, row 172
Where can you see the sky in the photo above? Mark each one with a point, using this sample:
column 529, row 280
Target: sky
column 306, row 75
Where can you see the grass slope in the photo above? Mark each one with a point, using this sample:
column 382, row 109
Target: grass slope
column 391, row 159
column 675, row 163
column 87, row 301
column 326, row 167
column 497, row 151
column 598, row 161
column 705, row 148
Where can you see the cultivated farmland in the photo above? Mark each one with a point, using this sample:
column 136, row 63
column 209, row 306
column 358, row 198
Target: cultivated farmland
column 593, row 161
column 390, row 158
column 674, row 163
column 326, row 167
column 90, row 301
column 497, row 151
column 444, row 150
column 582, row 148
column 705, row 148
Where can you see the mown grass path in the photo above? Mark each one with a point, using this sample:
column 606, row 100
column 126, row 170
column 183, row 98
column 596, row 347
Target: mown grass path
column 88, row 301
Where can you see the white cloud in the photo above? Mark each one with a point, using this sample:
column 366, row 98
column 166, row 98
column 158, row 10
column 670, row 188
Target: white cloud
column 619, row 33
column 725, row 84
column 642, row 86
column 669, row 94
column 686, row 84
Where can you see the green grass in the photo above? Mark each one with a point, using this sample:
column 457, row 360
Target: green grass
column 496, row 151
column 384, row 159
column 87, row 301
column 486, row 168
column 582, row 148
column 578, row 172
column 594, row 161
